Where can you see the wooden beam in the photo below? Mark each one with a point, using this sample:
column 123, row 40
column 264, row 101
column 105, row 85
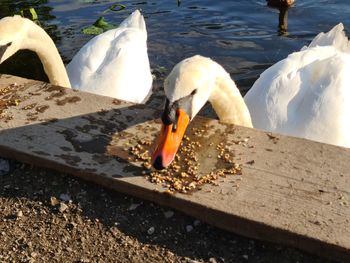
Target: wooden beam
column 292, row 191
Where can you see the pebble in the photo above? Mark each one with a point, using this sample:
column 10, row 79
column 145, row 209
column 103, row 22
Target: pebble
column 133, row 207
column 65, row 197
column 63, row 207
column 54, row 201
column 40, row 192
column 245, row 257
column 169, row 214
column 196, row 222
column 189, row 228
column 191, row 261
column 151, row 230
column 4, row 166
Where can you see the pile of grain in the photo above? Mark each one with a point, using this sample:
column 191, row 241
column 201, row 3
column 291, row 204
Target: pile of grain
column 183, row 175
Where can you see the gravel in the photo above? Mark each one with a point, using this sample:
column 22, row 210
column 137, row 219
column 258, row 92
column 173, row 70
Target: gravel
column 47, row 216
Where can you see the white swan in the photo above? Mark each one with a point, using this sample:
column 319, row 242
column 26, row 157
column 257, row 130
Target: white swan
column 190, row 84
column 113, row 64
column 307, row 94
column 304, row 95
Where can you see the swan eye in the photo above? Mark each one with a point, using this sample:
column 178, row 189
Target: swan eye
column 194, row 92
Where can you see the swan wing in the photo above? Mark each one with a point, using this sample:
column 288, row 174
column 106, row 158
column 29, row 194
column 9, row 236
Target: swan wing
column 335, row 37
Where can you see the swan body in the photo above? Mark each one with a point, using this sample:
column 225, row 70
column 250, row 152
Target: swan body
column 113, row 64
column 307, row 94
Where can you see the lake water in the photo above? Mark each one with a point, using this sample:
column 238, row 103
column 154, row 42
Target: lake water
column 242, row 35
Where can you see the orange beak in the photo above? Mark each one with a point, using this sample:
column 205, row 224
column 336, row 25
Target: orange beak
column 169, row 141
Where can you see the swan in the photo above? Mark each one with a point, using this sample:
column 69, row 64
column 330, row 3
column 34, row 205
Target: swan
column 305, row 95
column 113, row 64
column 190, row 84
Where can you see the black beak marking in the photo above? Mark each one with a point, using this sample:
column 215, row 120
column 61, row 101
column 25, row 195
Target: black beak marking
column 158, row 163
column 170, row 114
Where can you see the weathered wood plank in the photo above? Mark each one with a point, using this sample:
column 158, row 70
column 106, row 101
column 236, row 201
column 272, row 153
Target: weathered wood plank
column 292, row 191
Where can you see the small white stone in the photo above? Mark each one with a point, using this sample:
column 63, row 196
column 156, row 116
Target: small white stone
column 245, row 257
column 151, row 230
column 133, row 207
column 189, row 228
column 169, row 214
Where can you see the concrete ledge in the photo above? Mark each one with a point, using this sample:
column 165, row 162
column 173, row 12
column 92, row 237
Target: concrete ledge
column 291, row 191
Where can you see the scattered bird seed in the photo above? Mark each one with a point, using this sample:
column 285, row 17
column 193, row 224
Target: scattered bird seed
column 63, row 207
column 183, row 174
column 19, row 213
column 54, row 201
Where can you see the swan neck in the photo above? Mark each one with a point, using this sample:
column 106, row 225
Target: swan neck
column 228, row 102
column 41, row 43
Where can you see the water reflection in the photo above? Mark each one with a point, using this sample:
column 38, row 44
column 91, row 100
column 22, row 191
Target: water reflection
column 283, row 21
column 283, row 7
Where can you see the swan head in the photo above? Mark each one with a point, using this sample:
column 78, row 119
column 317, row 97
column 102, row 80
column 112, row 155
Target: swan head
column 12, row 31
column 187, row 88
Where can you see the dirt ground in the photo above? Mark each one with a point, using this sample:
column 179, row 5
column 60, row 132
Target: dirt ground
column 47, row 216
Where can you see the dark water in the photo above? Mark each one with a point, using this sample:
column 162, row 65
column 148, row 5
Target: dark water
column 242, row 35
